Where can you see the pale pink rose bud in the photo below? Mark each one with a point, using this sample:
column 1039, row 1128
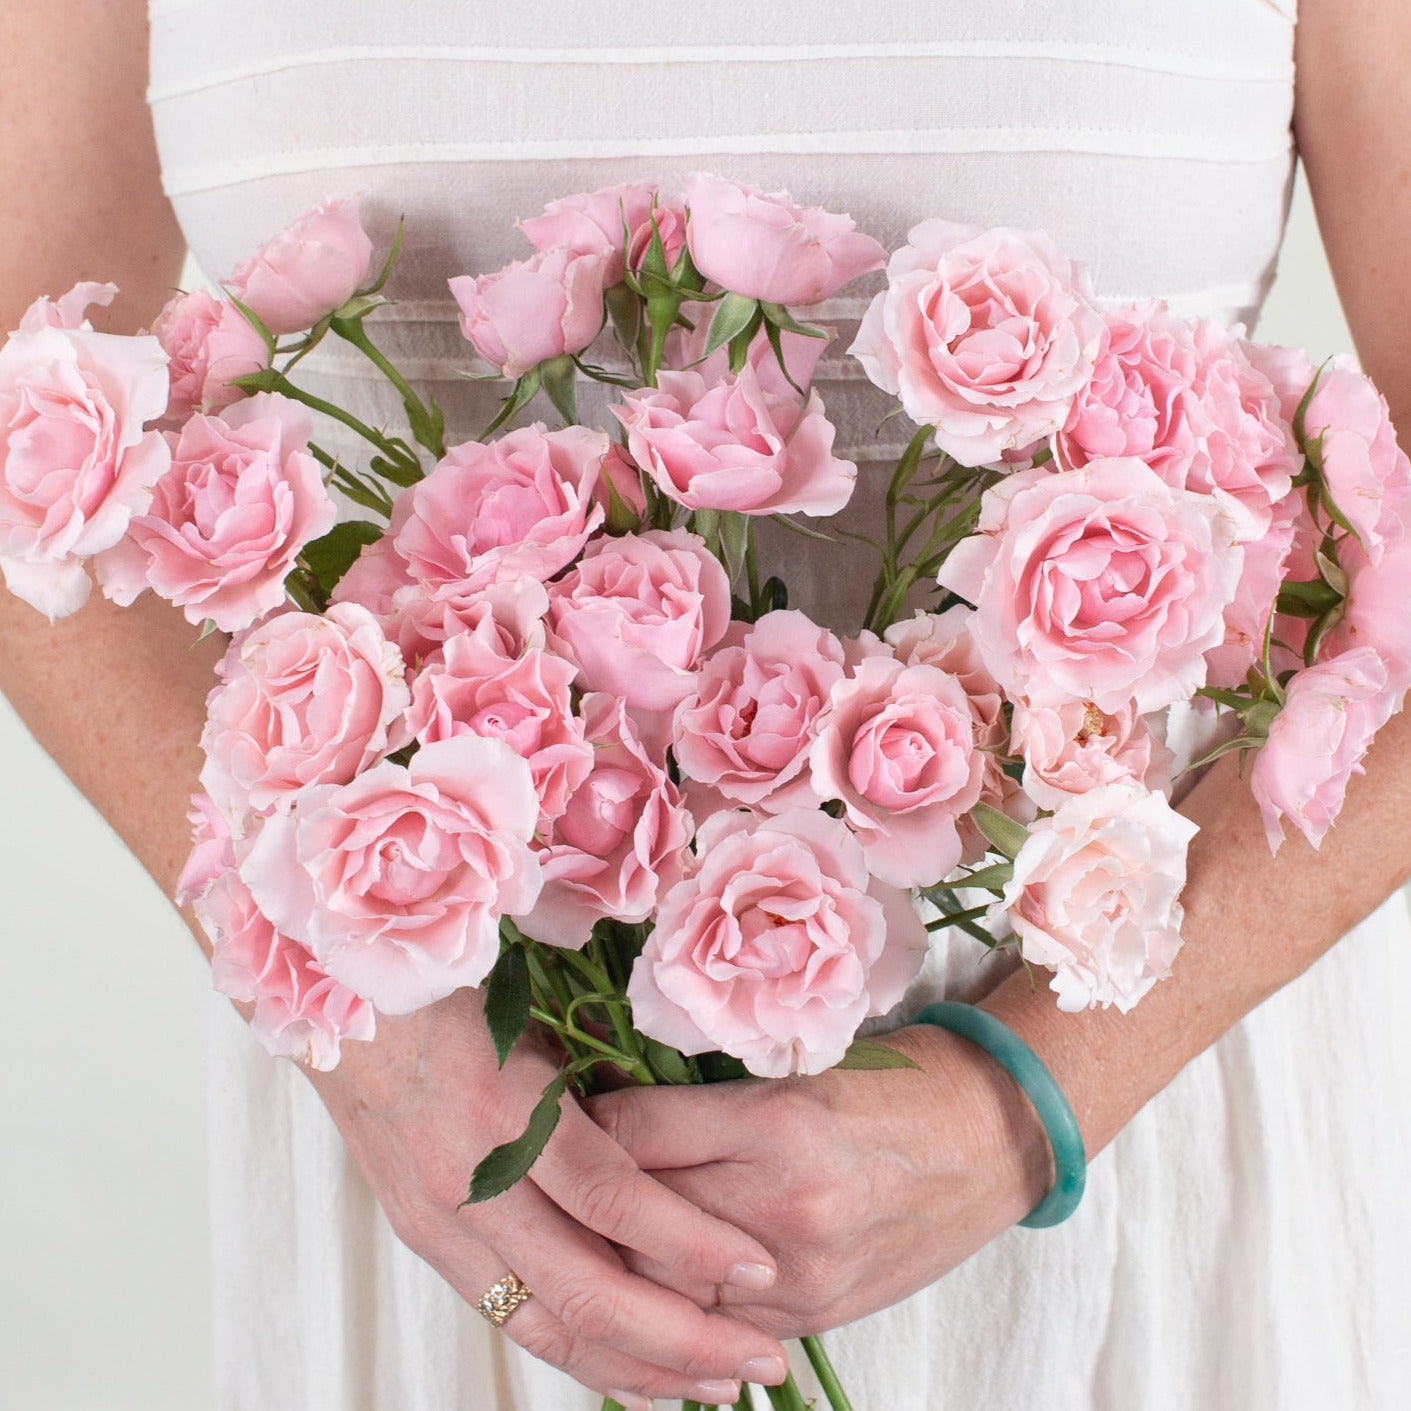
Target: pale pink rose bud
column 764, row 246
column 1316, row 743
column 309, row 270
column 210, row 343
column 212, row 850
column 1072, row 748
column 623, row 474
column 76, row 458
column 671, row 226
column 595, row 223
column 986, row 335
column 1094, row 896
column 304, row 699
column 228, row 519
column 533, row 310
column 397, row 881
column 637, row 614
column 300, row 1012
column 619, row 842
column 1101, row 584
column 777, row 947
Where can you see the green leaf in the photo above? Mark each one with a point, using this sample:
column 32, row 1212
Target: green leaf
column 1001, row 831
column 733, row 316
column 666, row 1063
column 870, row 1056
column 507, row 1000
column 775, row 595
column 329, row 558
column 510, row 1162
column 1307, row 598
column 359, row 306
column 777, row 316
column 521, row 394
column 556, row 376
column 734, row 536
column 721, row 1068
column 993, row 878
column 625, row 311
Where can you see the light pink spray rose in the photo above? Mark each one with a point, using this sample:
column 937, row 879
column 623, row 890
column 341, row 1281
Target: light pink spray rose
column 1095, row 892
column 1073, row 748
column 764, row 246
column 619, row 842
column 76, row 458
column 746, row 730
column 897, row 747
column 300, row 1012
column 777, row 947
column 604, row 222
column 210, row 343
column 1100, row 584
column 532, row 310
column 637, row 614
column 988, row 336
column 310, row 269
column 1247, row 614
column 241, row 499
column 1317, row 741
column 305, row 699
column 397, row 881
column 212, row 850
column 1375, row 614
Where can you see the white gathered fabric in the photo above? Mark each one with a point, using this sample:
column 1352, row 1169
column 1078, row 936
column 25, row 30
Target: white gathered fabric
column 1244, row 1243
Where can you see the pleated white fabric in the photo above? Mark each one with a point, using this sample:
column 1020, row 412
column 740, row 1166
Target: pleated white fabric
column 1243, row 1243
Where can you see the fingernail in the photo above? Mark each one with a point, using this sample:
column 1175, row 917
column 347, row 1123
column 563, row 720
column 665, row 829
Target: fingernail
column 766, row 1371
column 630, row 1401
column 716, row 1393
column 756, row 1277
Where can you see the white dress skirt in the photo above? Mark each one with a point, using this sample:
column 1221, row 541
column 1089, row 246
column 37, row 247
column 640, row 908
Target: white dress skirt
column 1245, row 1242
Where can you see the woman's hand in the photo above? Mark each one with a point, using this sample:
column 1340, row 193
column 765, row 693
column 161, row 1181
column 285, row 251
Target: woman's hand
column 418, row 1108
column 865, row 1186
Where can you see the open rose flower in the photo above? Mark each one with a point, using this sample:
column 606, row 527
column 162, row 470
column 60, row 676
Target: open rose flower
column 241, row 499
column 774, row 949
column 1073, row 748
column 1375, row 613
column 212, row 850
column 76, row 458
column 988, row 336
column 397, row 881
column 1094, row 895
column 604, row 223
column 210, row 343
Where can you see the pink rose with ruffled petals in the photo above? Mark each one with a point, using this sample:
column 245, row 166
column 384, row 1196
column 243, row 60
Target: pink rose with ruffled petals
column 242, row 498
column 777, row 947
column 1073, row 748
column 210, row 343
column 212, row 850
column 1316, row 743
column 619, row 842
column 988, row 336
column 1095, row 891
column 1247, row 614
column 310, row 269
column 532, row 310
column 746, row 730
column 764, row 246
column 1375, row 613
column 305, row 699
column 76, row 458
column 637, row 614
column 1290, row 372
column 397, row 881
column 1101, row 584
column 596, row 223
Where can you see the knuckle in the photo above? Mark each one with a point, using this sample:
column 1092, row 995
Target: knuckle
column 549, row 1341
column 605, row 1204
column 812, row 1215
column 592, row 1311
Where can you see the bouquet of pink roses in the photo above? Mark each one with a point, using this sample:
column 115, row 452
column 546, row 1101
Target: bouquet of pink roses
column 544, row 722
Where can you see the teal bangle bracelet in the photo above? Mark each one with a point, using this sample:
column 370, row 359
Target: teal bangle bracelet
column 1070, row 1161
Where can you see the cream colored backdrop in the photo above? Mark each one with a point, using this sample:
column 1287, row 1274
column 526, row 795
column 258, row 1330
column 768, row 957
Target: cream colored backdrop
column 103, row 1261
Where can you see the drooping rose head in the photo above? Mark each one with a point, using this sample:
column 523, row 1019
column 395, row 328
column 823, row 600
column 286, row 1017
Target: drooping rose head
column 988, row 336
column 210, row 343
column 596, row 223
column 774, row 949
column 764, row 246
column 308, row 270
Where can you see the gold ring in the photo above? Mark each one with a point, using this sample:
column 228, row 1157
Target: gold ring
column 502, row 1298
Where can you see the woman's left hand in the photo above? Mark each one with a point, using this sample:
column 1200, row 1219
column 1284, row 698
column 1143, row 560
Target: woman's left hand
column 864, row 1185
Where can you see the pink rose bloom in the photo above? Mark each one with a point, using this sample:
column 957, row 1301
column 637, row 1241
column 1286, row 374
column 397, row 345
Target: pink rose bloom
column 212, row 850
column 522, row 504
column 599, row 223
column 76, row 458
column 777, row 947
column 637, row 614
column 1290, row 372
column 242, row 498
column 746, row 730
column 507, row 616
column 532, row 310
column 897, row 747
column 1247, row 614
column 309, row 270
column 760, row 244
column 374, row 580
column 475, row 690
column 210, row 342
column 397, row 881
column 304, row 700
column 1100, row 584
column 1375, row 614
column 300, row 1012
column 1330, row 713
column 619, row 842
column 988, row 336
column 1095, row 892
column 1074, row 748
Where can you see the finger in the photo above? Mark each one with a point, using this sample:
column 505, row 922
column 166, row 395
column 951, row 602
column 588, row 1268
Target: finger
column 588, row 1175
column 663, row 1128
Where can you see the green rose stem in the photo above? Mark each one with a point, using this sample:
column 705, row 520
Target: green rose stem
column 426, row 423
column 827, row 1377
column 398, row 454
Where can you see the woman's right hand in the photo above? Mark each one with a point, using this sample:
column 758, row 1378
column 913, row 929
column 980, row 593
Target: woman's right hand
column 421, row 1104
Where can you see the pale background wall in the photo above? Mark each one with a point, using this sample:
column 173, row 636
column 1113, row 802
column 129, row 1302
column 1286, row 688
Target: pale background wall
column 103, row 1256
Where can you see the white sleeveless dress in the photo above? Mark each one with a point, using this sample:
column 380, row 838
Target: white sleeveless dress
column 1245, row 1242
